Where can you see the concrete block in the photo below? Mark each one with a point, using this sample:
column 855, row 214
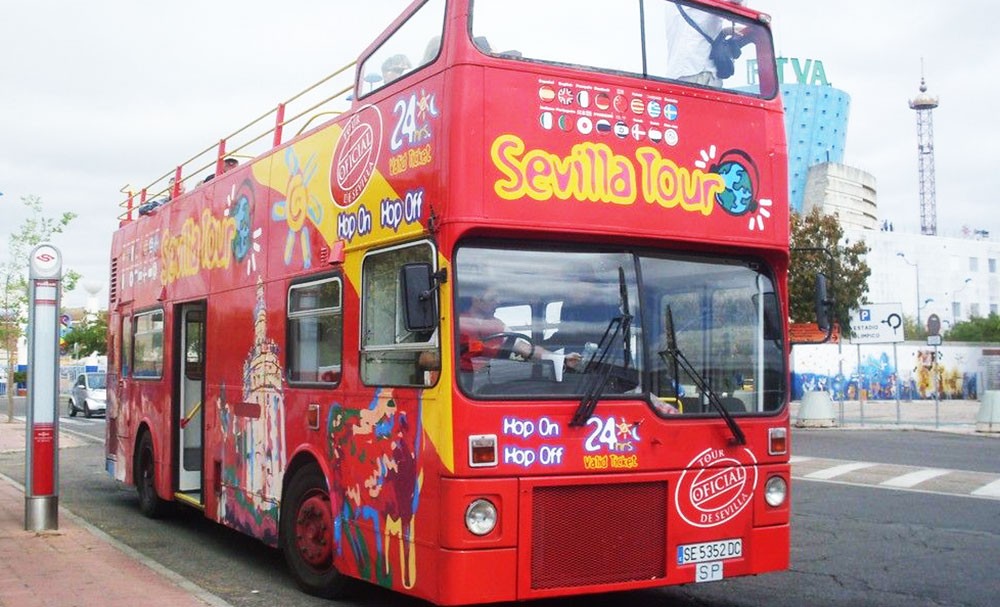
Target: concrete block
column 988, row 417
column 816, row 411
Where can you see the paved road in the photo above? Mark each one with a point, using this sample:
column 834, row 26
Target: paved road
column 868, row 529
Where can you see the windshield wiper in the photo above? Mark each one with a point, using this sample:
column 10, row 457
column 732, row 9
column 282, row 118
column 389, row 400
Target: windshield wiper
column 597, row 381
column 680, row 360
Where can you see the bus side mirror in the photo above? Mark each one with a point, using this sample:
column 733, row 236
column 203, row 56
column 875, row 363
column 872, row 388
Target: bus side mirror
column 823, row 304
column 419, row 303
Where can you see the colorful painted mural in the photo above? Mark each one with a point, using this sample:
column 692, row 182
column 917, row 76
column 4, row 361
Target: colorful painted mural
column 879, row 372
column 376, row 486
column 253, row 430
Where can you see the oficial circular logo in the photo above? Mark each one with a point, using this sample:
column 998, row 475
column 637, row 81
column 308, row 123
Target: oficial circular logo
column 356, row 156
column 716, row 487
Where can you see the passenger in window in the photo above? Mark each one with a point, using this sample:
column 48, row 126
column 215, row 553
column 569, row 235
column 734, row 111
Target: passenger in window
column 482, row 334
column 433, row 47
column 394, row 67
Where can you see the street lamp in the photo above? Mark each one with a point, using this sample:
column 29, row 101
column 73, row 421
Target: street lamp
column 955, row 303
column 916, row 269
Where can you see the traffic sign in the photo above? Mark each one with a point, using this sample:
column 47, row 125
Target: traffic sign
column 877, row 324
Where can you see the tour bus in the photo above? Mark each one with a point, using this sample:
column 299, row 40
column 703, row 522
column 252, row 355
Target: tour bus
column 509, row 325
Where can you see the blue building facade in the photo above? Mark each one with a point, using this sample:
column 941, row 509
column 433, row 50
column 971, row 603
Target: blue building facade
column 816, row 117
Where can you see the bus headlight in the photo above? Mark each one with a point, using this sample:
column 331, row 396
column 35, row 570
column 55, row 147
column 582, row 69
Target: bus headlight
column 775, row 491
column 481, row 517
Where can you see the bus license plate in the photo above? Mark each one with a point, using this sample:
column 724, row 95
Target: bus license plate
column 709, row 551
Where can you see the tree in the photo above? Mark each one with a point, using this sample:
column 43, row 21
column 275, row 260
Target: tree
column 976, row 329
column 848, row 283
column 88, row 336
column 34, row 230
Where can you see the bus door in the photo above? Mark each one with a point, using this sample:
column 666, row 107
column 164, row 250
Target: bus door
column 190, row 418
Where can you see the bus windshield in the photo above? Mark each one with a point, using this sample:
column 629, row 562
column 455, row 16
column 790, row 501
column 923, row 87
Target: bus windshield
column 534, row 322
column 654, row 39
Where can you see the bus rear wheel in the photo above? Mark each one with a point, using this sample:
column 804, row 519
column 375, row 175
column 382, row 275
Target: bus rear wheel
column 150, row 504
column 307, row 534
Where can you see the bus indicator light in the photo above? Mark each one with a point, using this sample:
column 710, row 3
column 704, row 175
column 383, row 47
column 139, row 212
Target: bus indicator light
column 482, row 450
column 777, row 441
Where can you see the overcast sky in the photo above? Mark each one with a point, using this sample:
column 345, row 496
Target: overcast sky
column 96, row 95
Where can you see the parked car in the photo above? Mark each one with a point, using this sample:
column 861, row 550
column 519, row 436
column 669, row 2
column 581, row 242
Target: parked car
column 89, row 394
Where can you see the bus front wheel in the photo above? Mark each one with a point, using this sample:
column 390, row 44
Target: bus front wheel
column 307, row 534
column 150, row 504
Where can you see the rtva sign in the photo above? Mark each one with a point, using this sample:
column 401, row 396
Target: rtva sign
column 802, row 71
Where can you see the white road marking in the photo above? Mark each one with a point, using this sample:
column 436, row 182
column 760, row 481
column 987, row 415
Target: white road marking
column 835, row 471
column 989, row 490
column 912, row 479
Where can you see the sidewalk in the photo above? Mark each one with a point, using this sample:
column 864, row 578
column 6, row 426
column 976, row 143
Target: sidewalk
column 76, row 564
column 955, row 416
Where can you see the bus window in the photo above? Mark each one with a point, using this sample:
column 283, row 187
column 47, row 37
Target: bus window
column 148, row 345
column 126, row 341
column 415, row 44
column 315, row 328
column 390, row 355
column 531, row 321
column 710, row 313
column 664, row 40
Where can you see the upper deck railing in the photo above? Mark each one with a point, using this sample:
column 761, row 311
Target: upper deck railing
column 264, row 133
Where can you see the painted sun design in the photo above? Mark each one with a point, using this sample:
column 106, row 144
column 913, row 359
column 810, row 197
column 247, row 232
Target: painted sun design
column 299, row 204
column 246, row 243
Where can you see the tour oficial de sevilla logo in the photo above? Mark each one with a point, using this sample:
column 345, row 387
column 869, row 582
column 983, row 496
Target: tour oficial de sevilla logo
column 356, row 156
column 716, row 486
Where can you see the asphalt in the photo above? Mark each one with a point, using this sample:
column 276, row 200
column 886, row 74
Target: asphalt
column 50, row 568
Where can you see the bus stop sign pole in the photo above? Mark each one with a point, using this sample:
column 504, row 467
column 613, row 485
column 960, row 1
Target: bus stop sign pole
column 41, row 477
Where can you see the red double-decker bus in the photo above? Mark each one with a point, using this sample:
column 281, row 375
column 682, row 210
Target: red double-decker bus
column 510, row 326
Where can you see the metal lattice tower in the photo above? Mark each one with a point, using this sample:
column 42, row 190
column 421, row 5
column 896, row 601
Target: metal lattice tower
column 924, row 105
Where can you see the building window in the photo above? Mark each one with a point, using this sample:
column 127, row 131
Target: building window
column 956, row 310
column 993, row 265
column 315, row 330
column 147, row 344
column 993, row 309
column 973, row 264
column 390, row 354
column 974, row 310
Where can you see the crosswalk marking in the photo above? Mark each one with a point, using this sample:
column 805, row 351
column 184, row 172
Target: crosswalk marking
column 983, row 485
column 912, row 479
column 989, row 489
column 835, row 471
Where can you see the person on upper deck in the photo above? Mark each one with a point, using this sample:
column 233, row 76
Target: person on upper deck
column 695, row 40
column 228, row 164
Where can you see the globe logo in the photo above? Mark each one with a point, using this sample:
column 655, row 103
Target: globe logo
column 737, row 198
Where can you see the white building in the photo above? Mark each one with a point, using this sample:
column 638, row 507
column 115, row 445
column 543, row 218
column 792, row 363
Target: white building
column 955, row 278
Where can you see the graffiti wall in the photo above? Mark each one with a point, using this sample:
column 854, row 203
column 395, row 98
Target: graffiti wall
column 910, row 371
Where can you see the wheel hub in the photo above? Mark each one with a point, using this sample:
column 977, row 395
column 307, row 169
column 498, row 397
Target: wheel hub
column 313, row 531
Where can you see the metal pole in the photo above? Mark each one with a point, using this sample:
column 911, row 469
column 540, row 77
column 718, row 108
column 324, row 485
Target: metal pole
column 41, row 484
column 937, row 402
column 916, row 268
column 861, row 394
column 895, row 366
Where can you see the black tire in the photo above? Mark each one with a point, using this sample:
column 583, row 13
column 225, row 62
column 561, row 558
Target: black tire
column 72, row 408
column 306, row 534
column 86, row 410
column 151, row 505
